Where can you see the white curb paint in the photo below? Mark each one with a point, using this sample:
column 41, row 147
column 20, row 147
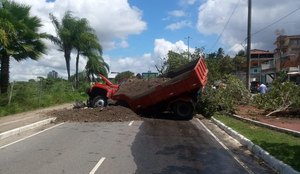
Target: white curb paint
column 6, row 123
column 31, row 135
column 276, row 164
column 226, row 148
column 25, row 128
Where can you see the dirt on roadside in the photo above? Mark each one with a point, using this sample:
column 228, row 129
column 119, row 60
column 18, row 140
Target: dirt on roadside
column 281, row 119
column 107, row 114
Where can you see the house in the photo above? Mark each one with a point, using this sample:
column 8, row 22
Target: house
column 149, row 74
column 262, row 67
column 287, row 56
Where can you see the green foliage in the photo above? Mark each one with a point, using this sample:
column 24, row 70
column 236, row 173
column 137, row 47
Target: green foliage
column 219, row 65
column 123, row 76
column 197, row 53
column 281, row 96
column 19, row 37
column 94, row 66
column 176, row 60
column 230, row 93
column 37, row 94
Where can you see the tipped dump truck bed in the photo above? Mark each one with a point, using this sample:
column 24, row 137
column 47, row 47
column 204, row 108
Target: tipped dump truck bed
column 183, row 83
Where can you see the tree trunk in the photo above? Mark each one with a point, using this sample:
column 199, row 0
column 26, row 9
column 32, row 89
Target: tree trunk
column 4, row 75
column 76, row 75
column 68, row 58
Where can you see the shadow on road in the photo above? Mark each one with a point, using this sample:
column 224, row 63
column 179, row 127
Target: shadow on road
column 165, row 146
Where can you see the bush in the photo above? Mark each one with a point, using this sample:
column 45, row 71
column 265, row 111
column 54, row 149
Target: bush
column 281, row 96
column 224, row 98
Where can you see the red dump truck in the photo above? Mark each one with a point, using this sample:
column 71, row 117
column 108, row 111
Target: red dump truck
column 178, row 93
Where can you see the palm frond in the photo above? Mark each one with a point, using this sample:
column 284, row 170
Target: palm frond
column 54, row 21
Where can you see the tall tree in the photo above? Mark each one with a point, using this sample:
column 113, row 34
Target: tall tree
column 66, row 33
column 123, row 76
column 175, row 60
column 198, row 52
column 19, row 37
column 240, row 61
column 94, row 66
column 86, row 43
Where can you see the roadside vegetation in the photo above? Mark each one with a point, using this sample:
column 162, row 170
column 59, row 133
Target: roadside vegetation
column 20, row 40
column 280, row 145
column 283, row 96
column 25, row 96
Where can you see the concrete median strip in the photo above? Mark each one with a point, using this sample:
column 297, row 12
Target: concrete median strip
column 276, row 164
column 25, row 128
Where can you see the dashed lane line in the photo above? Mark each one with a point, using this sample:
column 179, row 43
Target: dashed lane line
column 130, row 124
column 97, row 166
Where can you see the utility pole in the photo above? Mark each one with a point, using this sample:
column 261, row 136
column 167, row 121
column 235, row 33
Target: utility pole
column 249, row 45
column 188, row 39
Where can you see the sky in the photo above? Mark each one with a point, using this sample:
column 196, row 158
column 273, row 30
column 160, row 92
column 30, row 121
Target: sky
column 137, row 34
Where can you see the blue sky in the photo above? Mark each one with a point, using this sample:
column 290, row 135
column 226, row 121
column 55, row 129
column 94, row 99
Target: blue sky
column 158, row 15
column 135, row 34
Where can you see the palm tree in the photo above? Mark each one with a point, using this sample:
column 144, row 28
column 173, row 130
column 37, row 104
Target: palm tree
column 19, row 37
column 86, row 43
column 95, row 65
column 66, row 32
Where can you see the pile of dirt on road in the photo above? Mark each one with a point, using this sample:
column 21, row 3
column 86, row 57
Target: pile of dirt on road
column 133, row 87
column 107, row 114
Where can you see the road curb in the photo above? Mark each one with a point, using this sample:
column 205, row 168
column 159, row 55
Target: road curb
column 284, row 130
column 276, row 164
column 25, row 128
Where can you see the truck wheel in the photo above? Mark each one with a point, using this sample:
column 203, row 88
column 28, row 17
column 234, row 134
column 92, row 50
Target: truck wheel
column 184, row 110
column 99, row 101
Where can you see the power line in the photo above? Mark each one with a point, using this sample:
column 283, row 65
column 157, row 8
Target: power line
column 220, row 35
column 269, row 25
column 280, row 19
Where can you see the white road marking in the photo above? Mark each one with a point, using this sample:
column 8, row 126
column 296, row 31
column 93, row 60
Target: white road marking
column 30, row 136
column 226, row 148
column 97, row 165
column 130, row 124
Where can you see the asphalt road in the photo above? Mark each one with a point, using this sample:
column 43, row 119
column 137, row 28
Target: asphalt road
column 150, row 146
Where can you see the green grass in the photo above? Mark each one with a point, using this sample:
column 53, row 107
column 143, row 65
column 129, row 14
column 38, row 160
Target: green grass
column 280, row 145
column 32, row 95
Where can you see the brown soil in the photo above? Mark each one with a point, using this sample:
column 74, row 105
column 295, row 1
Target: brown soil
column 282, row 119
column 107, row 114
column 133, row 87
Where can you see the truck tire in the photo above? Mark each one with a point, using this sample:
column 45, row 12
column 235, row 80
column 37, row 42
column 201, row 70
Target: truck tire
column 99, row 101
column 184, row 110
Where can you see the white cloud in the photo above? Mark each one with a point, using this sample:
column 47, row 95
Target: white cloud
column 213, row 15
column 124, row 44
column 140, row 64
column 147, row 61
column 162, row 47
column 177, row 13
column 179, row 25
column 112, row 20
column 188, row 2
column 54, row 60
